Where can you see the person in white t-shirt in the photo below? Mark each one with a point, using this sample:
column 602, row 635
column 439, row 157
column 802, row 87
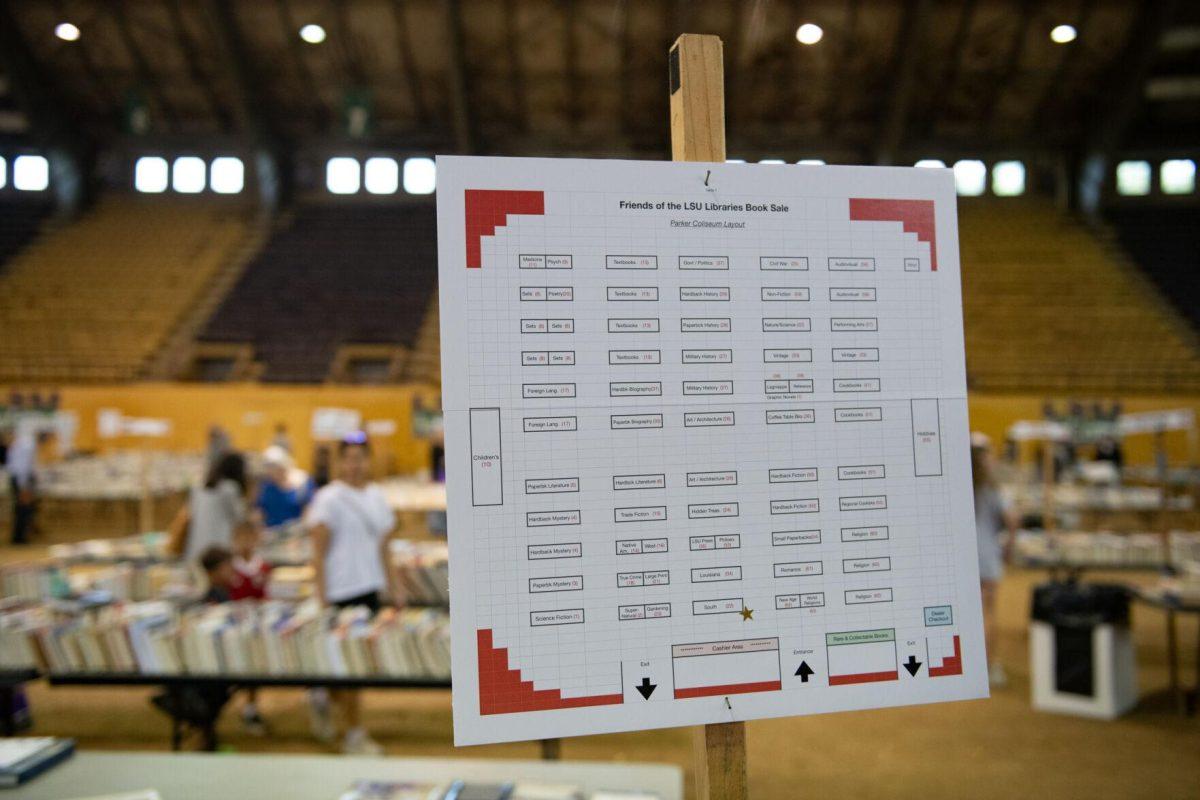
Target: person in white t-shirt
column 351, row 524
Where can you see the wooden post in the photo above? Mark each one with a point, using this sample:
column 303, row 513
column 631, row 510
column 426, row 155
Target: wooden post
column 697, row 86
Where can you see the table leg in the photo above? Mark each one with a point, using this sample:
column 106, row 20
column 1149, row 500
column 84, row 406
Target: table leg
column 8, row 725
column 551, row 749
column 1173, row 664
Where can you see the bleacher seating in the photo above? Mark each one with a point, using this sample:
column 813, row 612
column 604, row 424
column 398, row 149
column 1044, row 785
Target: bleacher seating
column 332, row 275
column 19, row 223
column 1165, row 243
column 92, row 300
column 1049, row 305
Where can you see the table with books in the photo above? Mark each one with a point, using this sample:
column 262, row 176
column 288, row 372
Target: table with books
column 322, row 777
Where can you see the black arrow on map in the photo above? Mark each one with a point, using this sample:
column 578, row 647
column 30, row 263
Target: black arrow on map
column 912, row 665
column 804, row 671
column 646, row 688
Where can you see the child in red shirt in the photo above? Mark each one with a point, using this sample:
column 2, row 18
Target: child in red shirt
column 251, row 572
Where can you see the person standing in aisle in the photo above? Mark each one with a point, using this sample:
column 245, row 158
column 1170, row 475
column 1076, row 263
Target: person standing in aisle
column 214, row 510
column 351, row 524
column 283, row 492
column 20, row 461
column 992, row 518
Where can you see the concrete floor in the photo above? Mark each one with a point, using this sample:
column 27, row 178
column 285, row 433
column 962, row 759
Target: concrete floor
column 997, row 748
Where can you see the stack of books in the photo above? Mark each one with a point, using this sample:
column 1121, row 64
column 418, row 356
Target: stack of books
column 423, row 571
column 26, row 757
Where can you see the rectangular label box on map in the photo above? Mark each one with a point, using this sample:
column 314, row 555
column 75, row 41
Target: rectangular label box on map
column 640, row 514
column 790, row 538
column 849, row 264
column 865, row 533
column 647, row 611
column 704, row 294
column 776, row 355
column 707, row 356
column 534, row 391
column 864, row 596
column 633, row 547
column 716, row 574
column 545, row 552
column 783, row 263
column 871, row 414
column 782, row 294
column 707, row 387
column 855, row 354
column 808, row 505
column 862, row 472
column 866, row 503
column 786, row 324
column 727, row 605
column 802, row 386
column 544, row 262
column 704, row 262
column 633, row 325
column 547, row 326
column 631, row 262
column 708, row 419
column 618, row 357
column 856, row 384
column 657, row 577
column 798, row 569
column 852, row 294
column 620, row 422
column 627, row 482
column 722, row 541
column 566, row 616
column 633, row 294
column 547, row 358
column 710, row 510
column 705, row 325
column 635, row 389
column 880, row 564
column 927, row 438
column 728, row 478
column 549, row 424
column 547, row 293
column 551, row 485
column 853, row 324
column 542, row 519
column 791, row 416
column 792, row 475
column 783, row 602
column 936, row 616
column 487, row 466
column 562, row 583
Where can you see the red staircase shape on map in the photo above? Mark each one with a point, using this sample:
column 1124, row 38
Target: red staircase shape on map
column 951, row 665
column 488, row 209
column 916, row 216
column 501, row 690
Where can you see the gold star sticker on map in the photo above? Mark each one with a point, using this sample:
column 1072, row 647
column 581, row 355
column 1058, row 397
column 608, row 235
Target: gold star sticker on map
column 747, row 613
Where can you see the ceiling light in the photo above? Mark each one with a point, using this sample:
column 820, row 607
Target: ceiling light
column 809, row 33
column 930, row 163
column 811, row 162
column 313, row 34
column 66, row 31
column 1063, row 34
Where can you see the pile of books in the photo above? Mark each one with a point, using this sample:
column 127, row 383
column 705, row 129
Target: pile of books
column 126, row 475
column 1129, row 550
column 26, row 757
column 122, row 580
column 423, row 571
column 246, row 638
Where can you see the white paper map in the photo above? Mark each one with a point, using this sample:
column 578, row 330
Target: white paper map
column 706, row 444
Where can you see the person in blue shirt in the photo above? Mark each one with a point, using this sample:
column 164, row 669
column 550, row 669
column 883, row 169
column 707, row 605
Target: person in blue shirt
column 281, row 496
